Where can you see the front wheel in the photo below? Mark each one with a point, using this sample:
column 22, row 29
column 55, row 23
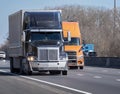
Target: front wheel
column 26, row 71
column 64, row 72
column 81, row 67
column 26, row 68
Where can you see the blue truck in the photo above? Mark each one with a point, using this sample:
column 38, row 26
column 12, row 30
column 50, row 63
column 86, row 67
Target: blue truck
column 89, row 50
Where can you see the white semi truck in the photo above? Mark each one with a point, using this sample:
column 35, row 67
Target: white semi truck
column 36, row 42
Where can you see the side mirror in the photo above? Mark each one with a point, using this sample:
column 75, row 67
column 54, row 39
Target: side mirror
column 69, row 36
column 23, row 37
column 83, row 42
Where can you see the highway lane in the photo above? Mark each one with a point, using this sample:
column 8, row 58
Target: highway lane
column 13, row 84
column 17, row 84
column 88, row 80
column 92, row 80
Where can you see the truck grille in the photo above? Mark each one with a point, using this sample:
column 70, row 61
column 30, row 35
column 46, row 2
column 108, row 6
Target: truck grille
column 48, row 54
column 72, row 56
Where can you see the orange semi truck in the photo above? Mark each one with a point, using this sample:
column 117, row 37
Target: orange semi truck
column 74, row 47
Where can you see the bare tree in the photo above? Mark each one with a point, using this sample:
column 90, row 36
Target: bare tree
column 96, row 27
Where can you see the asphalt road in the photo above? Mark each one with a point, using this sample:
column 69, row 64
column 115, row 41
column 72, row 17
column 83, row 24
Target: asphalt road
column 91, row 80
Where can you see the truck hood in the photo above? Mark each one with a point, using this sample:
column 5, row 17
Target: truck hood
column 77, row 49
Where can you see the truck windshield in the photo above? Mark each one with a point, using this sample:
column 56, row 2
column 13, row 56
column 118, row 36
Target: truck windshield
column 74, row 41
column 45, row 36
column 42, row 20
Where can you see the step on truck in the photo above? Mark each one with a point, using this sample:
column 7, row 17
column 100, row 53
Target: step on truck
column 36, row 42
column 74, row 47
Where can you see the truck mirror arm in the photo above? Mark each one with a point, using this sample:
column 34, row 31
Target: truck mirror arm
column 69, row 36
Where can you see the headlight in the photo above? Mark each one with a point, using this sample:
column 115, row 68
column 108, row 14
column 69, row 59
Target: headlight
column 64, row 56
column 80, row 57
column 30, row 58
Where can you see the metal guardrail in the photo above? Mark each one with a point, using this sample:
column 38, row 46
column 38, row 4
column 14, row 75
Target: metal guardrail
column 109, row 62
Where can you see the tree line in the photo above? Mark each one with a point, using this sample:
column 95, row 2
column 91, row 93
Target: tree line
column 99, row 26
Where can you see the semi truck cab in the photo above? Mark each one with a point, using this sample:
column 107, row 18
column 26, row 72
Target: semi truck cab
column 40, row 42
column 74, row 47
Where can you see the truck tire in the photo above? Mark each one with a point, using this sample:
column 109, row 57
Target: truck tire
column 12, row 68
column 64, row 72
column 26, row 70
column 11, row 65
column 52, row 72
column 81, row 67
column 21, row 66
column 58, row 72
column 29, row 73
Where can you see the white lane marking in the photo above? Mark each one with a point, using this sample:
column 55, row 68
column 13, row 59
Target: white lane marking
column 2, row 71
column 6, row 72
column 97, row 77
column 118, row 80
column 65, row 87
column 80, row 74
column 105, row 71
column 50, row 83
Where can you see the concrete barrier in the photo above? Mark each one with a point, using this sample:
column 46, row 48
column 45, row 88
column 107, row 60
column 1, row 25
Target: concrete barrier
column 109, row 62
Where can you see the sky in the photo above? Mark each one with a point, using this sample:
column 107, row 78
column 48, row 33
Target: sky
column 8, row 7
